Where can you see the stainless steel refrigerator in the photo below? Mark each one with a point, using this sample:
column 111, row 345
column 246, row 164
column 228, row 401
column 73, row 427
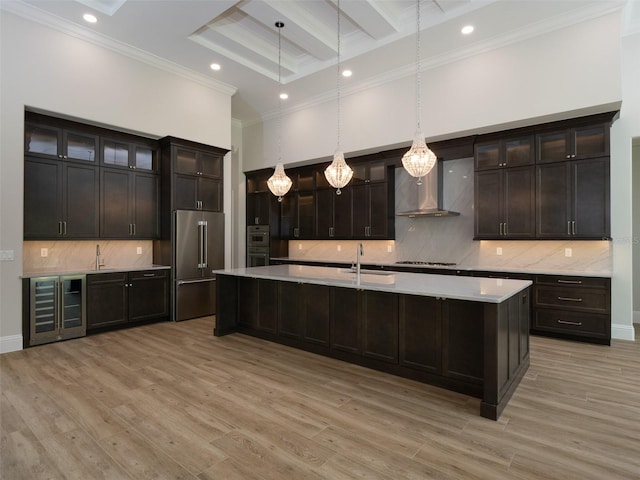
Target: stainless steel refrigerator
column 198, row 248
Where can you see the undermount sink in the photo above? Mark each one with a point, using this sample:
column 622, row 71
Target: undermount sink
column 366, row 272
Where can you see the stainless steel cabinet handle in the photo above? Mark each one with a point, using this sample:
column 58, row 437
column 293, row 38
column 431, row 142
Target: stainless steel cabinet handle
column 59, row 228
column 569, row 299
column 505, row 228
column 64, row 226
column 565, row 322
column 296, row 232
column 149, row 275
column 568, row 156
column 573, row 227
column 568, row 228
column 256, row 220
column 573, row 282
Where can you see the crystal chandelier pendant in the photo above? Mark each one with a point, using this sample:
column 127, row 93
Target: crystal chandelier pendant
column 338, row 174
column 279, row 183
column 419, row 160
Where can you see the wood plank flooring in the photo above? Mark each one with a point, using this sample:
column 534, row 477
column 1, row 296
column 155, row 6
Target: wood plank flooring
column 170, row 401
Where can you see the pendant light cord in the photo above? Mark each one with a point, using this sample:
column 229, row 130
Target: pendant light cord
column 418, row 63
column 338, row 78
column 279, row 25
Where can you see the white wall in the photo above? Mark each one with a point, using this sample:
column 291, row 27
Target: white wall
column 45, row 69
column 544, row 78
column 636, row 229
column 567, row 73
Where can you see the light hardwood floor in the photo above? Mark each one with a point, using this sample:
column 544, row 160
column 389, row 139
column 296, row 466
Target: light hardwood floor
column 171, row 401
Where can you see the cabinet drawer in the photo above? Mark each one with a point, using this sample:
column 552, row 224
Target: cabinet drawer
column 573, row 281
column 148, row 274
column 574, row 323
column 582, row 299
column 98, row 278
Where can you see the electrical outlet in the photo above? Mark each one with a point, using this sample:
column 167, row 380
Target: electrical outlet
column 568, row 252
column 339, row 247
column 389, row 249
column 299, row 246
column 139, row 250
column 44, row 252
column 498, row 250
column 6, row 255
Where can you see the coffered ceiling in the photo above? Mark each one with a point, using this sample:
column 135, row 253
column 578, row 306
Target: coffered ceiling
column 377, row 38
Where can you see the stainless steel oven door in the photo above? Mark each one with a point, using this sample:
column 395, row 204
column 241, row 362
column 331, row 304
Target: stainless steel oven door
column 258, row 236
column 257, row 257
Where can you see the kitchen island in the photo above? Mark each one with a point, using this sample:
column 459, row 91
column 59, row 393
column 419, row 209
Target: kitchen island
column 470, row 335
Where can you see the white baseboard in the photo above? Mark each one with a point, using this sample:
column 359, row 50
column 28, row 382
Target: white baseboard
column 10, row 343
column 623, row 332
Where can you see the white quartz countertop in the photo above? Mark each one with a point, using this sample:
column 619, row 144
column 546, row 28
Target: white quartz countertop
column 57, row 271
column 477, row 289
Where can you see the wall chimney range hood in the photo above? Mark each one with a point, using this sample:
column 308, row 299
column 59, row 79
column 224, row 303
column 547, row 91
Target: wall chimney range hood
column 424, row 200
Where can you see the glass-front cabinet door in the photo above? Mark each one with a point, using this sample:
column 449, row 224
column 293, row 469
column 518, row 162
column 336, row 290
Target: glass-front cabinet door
column 42, row 140
column 79, row 146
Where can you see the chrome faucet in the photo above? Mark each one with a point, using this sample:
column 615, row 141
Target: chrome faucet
column 359, row 253
column 98, row 264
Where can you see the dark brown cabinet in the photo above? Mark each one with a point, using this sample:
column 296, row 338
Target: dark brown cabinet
column 333, row 213
column 420, row 333
column 298, row 214
column 125, row 154
column 60, row 200
column 48, row 141
column 371, row 216
column 573, row 199
column 507, row 152
column 121, row 298
column 573, row 143
column 129, row 204
column 304, row 313
column 346, row 320
column 258, row 305
column 368, row 172
column 505, row 203
column 192, row 177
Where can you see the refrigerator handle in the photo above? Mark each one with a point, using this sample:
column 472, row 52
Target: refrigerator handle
column 202, row 225
column 205, row 245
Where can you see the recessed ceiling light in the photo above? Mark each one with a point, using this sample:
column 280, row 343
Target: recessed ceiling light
column 467, row 29
column 284, row 96
column 88, row 17
column 347, row 73
column 215, row 66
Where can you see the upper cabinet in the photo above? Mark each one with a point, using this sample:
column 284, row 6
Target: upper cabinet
column 192, row 175
column 575, row 143
column 129, row 155
column 508, row 152
column 41, row 140
column 548, row 181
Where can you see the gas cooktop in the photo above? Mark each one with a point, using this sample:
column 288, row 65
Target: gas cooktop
column 436, row 264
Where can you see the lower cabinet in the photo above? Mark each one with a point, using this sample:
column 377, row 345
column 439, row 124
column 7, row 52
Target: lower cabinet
column 121, row 298
column 304, row 312
column 573, row 307
column 365, row 322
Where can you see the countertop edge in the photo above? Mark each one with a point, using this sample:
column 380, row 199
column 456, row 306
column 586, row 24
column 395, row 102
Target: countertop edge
column 58, row 273
column 480, row 268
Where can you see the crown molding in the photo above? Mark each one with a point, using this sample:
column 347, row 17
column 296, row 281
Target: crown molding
column 37, row 15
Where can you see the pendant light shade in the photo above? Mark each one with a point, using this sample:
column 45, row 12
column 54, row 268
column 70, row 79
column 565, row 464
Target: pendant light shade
column 279, row 183
column 419, row 160
column 338, row 174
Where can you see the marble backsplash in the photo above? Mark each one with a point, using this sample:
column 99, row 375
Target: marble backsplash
column 450, row 239
column 66, row 255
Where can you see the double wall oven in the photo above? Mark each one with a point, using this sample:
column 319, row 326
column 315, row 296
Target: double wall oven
column 257, row 245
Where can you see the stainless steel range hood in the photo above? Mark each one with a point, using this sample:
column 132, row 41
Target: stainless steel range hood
column 424, row 200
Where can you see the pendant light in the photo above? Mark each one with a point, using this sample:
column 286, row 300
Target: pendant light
column 419, row 160
column 338, row 174
column 279, row 183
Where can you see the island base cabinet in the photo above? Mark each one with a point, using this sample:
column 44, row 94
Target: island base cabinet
column 472, row 347
column 421, row 333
